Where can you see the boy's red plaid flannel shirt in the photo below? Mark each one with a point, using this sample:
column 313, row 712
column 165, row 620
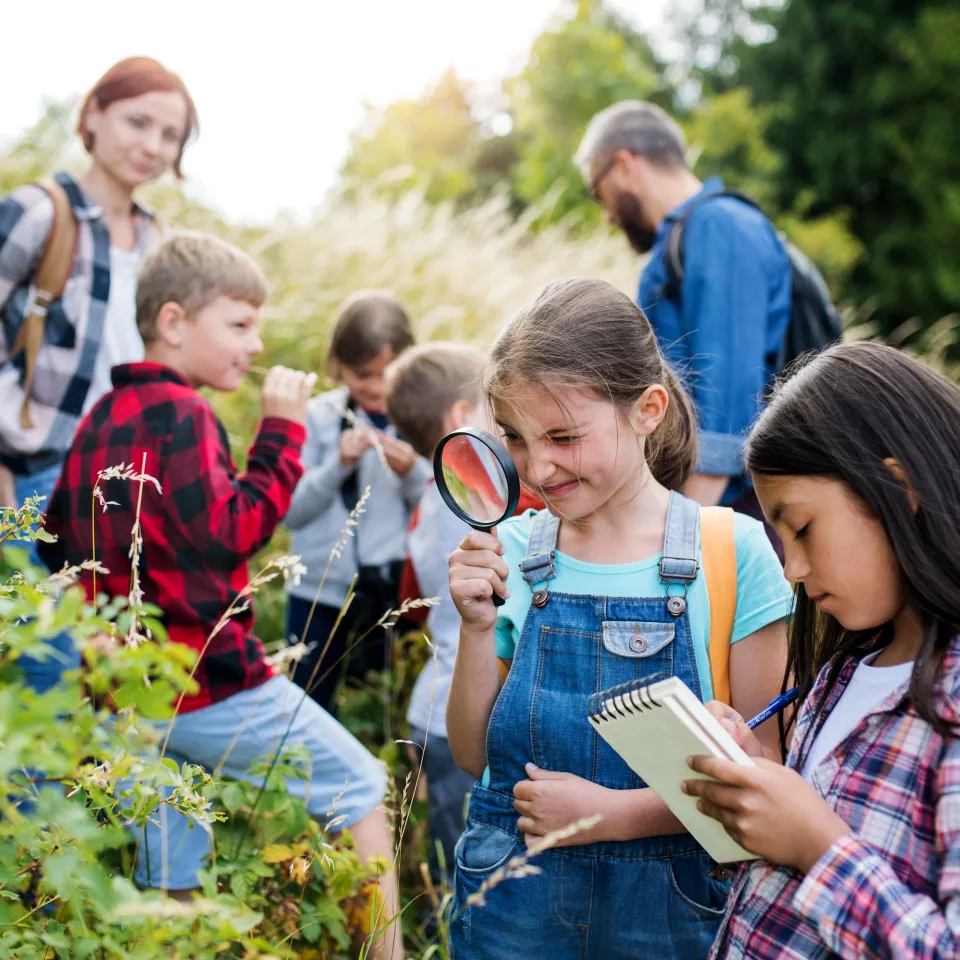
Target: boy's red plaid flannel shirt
column 197, row 535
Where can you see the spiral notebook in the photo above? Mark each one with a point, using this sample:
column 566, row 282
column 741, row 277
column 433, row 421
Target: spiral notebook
column 655, row 726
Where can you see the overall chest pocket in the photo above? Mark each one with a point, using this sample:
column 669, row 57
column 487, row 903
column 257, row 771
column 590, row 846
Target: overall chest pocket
column 639, row 649
column 639, row 639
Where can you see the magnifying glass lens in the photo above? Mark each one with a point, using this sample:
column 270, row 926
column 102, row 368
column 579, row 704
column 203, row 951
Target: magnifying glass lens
column 475, row 479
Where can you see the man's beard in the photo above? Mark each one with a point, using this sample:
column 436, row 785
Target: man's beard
column 630, row 219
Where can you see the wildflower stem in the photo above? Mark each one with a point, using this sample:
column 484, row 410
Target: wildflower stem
column 93, row 542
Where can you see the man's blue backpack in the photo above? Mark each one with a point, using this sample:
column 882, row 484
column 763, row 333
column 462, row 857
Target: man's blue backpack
column 814, row 323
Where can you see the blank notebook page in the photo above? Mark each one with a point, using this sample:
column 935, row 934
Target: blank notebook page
column 655, row 729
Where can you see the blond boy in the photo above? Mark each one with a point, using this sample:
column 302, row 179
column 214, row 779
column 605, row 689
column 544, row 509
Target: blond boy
column 198, row 310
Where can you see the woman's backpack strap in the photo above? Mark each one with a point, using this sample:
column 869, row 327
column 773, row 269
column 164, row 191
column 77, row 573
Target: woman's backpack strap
column 49, row 281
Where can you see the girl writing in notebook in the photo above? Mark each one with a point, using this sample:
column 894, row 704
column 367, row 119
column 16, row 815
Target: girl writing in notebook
column 857, row 465
column 603, row 587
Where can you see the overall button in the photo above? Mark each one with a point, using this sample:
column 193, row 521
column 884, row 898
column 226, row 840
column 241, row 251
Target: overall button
column 676, row 606
column 638, row 642
column 540, row 598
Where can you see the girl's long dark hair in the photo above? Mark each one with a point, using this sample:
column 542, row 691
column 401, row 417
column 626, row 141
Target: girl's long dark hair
column 841, row 415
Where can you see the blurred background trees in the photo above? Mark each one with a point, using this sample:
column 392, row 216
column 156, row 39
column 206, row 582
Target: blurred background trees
column 841, row 118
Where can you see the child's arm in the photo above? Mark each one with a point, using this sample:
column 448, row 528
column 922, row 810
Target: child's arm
column 473, row 692
column 477, row 570
column 412, row 484
column 411, row 470
column 850, row 895
column 549, row 801
column 757, row 664
column 327, row 463
column 222, row 513
column 758, row 645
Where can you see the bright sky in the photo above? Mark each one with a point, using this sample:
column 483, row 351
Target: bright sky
column 279, row 84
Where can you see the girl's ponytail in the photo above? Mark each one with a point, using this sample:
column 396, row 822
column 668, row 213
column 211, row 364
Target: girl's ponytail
column 672, row 448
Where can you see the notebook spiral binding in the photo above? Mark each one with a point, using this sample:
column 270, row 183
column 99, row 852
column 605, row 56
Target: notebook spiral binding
column 624, row 699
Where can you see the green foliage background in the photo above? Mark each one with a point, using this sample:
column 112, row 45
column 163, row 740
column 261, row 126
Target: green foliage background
column 841, row 117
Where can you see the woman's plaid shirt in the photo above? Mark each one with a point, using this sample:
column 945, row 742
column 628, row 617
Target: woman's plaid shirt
column 74, row 327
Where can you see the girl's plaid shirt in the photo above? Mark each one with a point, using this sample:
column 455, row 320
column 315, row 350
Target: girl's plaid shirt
column 891, row 887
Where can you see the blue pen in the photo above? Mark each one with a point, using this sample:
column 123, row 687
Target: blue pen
column 775, row 706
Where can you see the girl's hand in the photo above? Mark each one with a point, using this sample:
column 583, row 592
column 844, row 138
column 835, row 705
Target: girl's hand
column 734, row 724
column 768, row 809
column 400, row 455
column 477, row 569
column 550, row 801
column 353, row 444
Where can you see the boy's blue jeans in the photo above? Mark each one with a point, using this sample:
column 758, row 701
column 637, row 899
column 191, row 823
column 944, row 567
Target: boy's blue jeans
column 41, row 675
column 344, row 779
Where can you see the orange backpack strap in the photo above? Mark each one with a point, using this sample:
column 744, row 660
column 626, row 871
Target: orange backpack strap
column 49, row 281
column 718, row 550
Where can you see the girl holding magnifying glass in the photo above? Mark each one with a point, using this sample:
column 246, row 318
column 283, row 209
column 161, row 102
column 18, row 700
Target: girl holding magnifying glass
column 598, row 424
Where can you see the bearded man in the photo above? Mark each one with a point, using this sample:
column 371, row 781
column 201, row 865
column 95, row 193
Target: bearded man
column 721, row 322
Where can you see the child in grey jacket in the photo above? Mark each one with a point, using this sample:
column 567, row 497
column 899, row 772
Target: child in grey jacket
column 352, row 446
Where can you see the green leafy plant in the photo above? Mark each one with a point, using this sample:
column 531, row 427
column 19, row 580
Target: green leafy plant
column 77, row 781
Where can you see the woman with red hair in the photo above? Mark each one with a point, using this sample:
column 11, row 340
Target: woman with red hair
column 56, row 356
column 134, row 123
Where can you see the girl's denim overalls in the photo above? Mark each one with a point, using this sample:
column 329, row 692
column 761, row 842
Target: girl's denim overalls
column 647, row 899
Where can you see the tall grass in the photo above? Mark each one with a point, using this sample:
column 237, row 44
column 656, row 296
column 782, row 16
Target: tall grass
column 461, row 274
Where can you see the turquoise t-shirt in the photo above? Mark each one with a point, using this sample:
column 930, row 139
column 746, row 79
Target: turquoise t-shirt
column 763, row 593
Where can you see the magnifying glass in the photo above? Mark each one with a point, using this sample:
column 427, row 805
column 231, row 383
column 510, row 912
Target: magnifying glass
column 477, row 479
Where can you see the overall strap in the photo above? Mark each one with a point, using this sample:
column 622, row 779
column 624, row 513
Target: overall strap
column 539, row 565
column 350, row 488
column 678, row 566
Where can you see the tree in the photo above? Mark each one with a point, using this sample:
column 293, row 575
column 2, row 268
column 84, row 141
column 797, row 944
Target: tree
column 35, row 154
column 435, row 143
column 865, row 116
column 586, row 62
column 700, row 40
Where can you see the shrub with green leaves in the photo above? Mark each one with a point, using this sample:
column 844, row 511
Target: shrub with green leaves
column 278, row 881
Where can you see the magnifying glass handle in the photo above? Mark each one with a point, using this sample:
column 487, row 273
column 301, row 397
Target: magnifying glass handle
column 498, row 601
